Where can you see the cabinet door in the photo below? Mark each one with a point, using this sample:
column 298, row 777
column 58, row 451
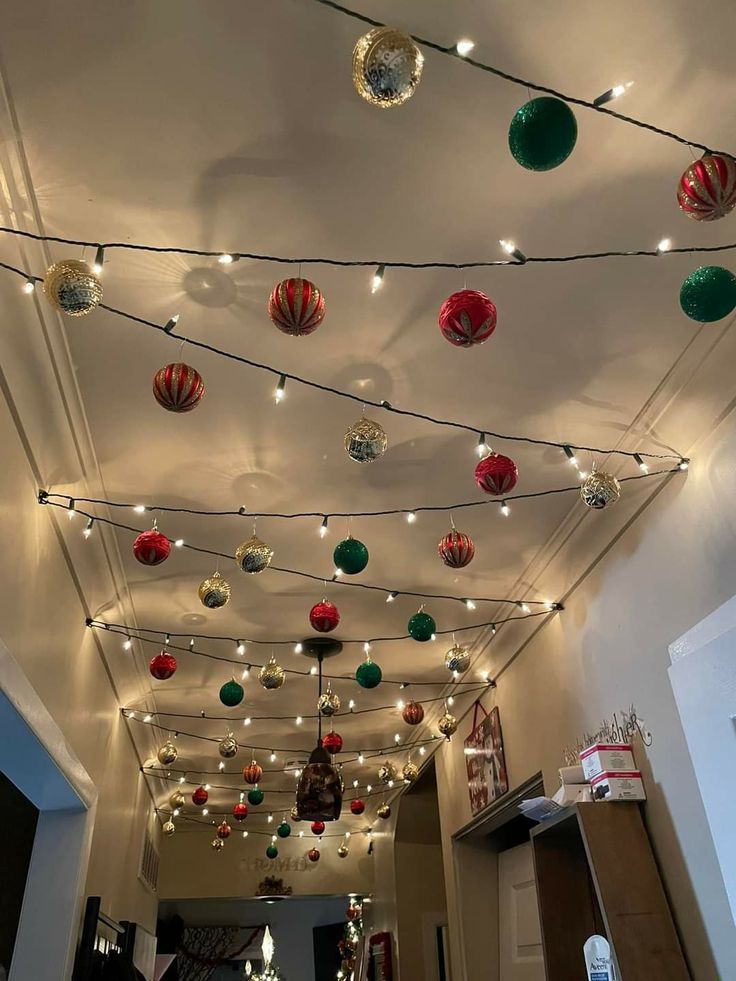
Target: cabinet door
column 521, row 957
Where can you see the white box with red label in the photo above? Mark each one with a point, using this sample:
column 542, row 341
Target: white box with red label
column 611, row 757
column 618, row 785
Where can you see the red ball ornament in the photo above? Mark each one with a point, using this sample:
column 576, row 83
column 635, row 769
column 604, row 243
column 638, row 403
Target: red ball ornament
column 352, row 912
column 318, row 828
column 200, row 797
column 296, row 306
column 456, row 549
column 178, row 387
column 496, row 474
column 332, row 742
column 413, row 713
column 151, row 547
column 357, row 806
column 252, row 773
column 467, row 318
column 313, row 855
column 707, row 189
column 224, row 830
column 324, row 616
column 162, row 666
column 240, row 811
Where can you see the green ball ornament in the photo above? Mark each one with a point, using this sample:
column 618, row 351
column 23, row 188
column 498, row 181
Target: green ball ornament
column 283, row 830
column 708, row 294
column 231, row 694
column 351, row 556
column 272, row 852
column 421, row 626
column 255, row 796
column 368, row 674
column 543, row 133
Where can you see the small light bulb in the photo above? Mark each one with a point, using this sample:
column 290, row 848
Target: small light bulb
column 400, row 704
column 206, row 811
column 361, row 759
column 147, row 717
column 433, row 637
column 88, row 528
column 482, row 448
column 272, row 757
column 299, row 720
column 301, row 834
column 139, row 508
column 270, row 818
column 390, row 783
column 70, row 508
column 245, row 834
column 313, row 669
column 391, row 597
column 280, row 389
column 642, row 465
column 351, row 704
column 411, row 517
column 171, row 323
column 246, row 670
column 397, row 738
column 182, row 780
column 179, row 542
column 377, row 281
column 127, row 644
column 247, row 721
column 337, row 573
column 684, row 464
column 323, row 527
column 226, row 259
column 298, row 648
column 610, row 94
column 469, row 604
column 240, row 648
column 511, row 249
column 367, row 647
column 422, row 750
column 524, row 607
column 573, row 460
column 450, row 701
column 99, row 261
column 505, row 509
column 664, row 246
column 207, row 787
column 368, row 787
column 464, row 47
column 355, row 783
column 221, row 766
column 29, row 286
column 176, row 812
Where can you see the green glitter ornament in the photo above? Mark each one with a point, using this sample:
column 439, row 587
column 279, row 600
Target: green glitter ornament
column 231, row 693
column 283, row 830
column 255, row 796
column 351, row 556
column 543, row 133
column 272, row 852
column 708, row 294
column 421, row 626
column 369, row 674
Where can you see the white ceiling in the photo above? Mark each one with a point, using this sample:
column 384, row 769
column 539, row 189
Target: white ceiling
column 236, row 127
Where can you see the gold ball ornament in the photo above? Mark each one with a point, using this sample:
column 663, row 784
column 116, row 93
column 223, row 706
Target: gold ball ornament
column 457, row 659
column 169, row 829
column 167, row 753
column 228, row 747
column 384, row 811
column 342, row 851
column 295, row 813
column 217, row 844
column 600, row 490
column 328, row 703
column 387, row 772
column 365, row 441
column 272, row 675
column 176, row 801
column 387, row 67
column 447, row 724
column 214, row 592
column 253, row 556
column 72, row 287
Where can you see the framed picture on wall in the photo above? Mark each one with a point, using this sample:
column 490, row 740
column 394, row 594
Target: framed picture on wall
column 484, row 759
column 380, row 958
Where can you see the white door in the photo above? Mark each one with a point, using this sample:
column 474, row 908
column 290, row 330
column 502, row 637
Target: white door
column 520, row 935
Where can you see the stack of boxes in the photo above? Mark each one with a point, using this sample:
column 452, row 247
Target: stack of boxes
column 612, row 773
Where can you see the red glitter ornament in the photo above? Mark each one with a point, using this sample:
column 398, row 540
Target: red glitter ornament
column 313, row 855
column 467, row 317
column 332, row 742
column 252, row 773
column 707, row 189
column 162, row 666
column 318, row 828
column 151, row 547
column 200, row 797
column 456, row 549
column 357, row 806
column 296, row 306
column 224, row 830
column 413, row 713
column 324, row 616
column 240, row 811
column 496, row 474
column 178, row 387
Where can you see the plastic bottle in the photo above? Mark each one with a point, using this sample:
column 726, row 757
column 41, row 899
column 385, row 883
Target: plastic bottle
column 598, row 964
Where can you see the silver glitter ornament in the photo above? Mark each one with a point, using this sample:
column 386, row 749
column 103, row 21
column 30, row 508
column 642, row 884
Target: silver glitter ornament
column 167, row 753
column 72, row 287
column 387, row 67
column 169, row 828
column 387, row 772
column 365, row 441
column 447, row 724
column 457, row 659
column 329, row 703
column 228, row 747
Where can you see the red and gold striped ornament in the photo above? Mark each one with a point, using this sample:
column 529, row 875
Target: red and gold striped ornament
column 324, row 616
column 456, row 549
column 151, row 547
column 467, row 317
column 707, row 189
column 296, row 306
column 178, row 387
column 240, row 811
column 252, row 773
column 496, row 474
column 413, row 713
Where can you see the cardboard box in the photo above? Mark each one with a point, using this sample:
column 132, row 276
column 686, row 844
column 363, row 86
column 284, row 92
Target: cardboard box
column 622, row 785
column 602, row 757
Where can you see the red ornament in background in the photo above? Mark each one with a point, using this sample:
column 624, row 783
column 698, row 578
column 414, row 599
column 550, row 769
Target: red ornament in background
column 496, row 474
column 352, row 912
column 413, row 713
column 332, row 742
column 296, row 306
column 224, row 830
column 318, row 828
column 151, row 547
column 707, row 189
column 313, row 855
column 456, row 549
column 357, row 806
column 200, row 797
column 162, row 666
column 467, row 318
column 240, row 811
column 178, row 387
column 252, row 773
column 324, row 616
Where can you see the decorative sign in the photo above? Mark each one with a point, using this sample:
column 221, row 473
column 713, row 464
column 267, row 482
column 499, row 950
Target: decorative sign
column 276, row 864
column 630, row 726
column 380, row 963
column 484, row 760
column 271, row 886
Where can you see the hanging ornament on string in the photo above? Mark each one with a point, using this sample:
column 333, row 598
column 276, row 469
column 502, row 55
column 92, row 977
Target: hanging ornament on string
column 332, row 742
column 412, row 713
column 255, row 796
column 456, row 549
column 272, row 852
column 387, row 772
column 214, row 592
column 318, row 828
column 283, row 830
column 467, row 318
column 328, row 704
column 253, row 556
column 366, row 440
column 232, row 693
column 410, row 772
column 496, row 474
column 253, row 773
column 357, row 806
column 324, row 616
column 217, row 844
column 177, row 387
column 296, row 307
column 313, row 855
column 384, row 811
column 272, row 675
column 294, row 813
column 224, row 830
column 343, row 851
column 200, row 796
column 708, row 294
column 228, row 747
column 167, row 753
column 351, row 556
column 457, row 659
column 543, row 133
column 240, row 811
column 176, row 801
column 421, row 626
column 163, row 666
column 600, row 490
column 368, row 674
column 707, row 189
column 72, row 287
column 387, row 67
column 169, row 828
column 447, row 724
column 151, row 547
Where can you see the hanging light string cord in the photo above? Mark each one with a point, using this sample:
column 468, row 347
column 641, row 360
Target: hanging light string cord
column 452, row 51
column 266, row 834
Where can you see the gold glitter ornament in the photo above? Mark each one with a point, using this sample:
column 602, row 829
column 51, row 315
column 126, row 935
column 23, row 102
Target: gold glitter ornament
column 365, row 441
column 167, row 753
column 253, row 556
column 387, row 67
column 72, row 287
column 410, row 772
column 176, row 801
column 214, row 592
column 387, row 772
column 169, row 829
column 328, row 703
column 295, row 813
column 217, row 844
column 447, row 724
column 228, row 747
column 457, row 659
column 342, row 851
column 600, row 490
column 384, row 811
column 272, row 675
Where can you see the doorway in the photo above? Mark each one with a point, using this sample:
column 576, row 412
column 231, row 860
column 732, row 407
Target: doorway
column 521, row 957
